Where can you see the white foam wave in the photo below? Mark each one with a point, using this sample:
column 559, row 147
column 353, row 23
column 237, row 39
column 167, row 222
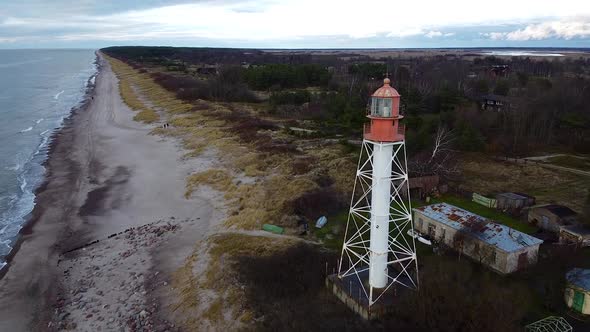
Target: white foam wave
column 23, row 184
column 39, row 121
column 56, row 97
column 45, row 132
column 16, row 167
column 42, row 145
column 25, row 130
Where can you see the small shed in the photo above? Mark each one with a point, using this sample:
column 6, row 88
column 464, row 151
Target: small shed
column 494, row 103
column 575, row 234
column 577, row 290
column 552, row 217
column 512, row 201
column 420, row 186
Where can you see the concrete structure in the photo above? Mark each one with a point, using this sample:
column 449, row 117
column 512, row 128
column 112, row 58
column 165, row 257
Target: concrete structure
column 575, row 234
column 577, row 290
column 513, row 201
column 500, row 247
column 380, row 209
column 552, row 217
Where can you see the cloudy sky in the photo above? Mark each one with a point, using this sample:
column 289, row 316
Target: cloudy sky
column 294, row 23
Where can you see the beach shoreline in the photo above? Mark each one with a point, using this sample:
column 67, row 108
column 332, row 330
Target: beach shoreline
column 110, row 224
column 33, row 216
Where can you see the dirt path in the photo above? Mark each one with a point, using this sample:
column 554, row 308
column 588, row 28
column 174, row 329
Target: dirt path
column 542, row 161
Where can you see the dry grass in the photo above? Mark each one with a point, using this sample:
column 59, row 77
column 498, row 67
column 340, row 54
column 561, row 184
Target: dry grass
column 215, row 178
column 128, row 79
column 147, row 116
column 194, row 286
column 129, row 96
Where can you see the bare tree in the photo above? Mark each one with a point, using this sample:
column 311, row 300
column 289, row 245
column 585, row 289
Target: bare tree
column 442, row 142
column 440, row 160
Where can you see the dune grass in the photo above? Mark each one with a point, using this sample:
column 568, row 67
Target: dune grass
column 229, row 296
column 128, row 78
column 218, row 179
column 147, row 116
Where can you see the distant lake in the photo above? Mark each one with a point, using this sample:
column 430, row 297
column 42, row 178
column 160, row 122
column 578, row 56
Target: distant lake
column 520, row 53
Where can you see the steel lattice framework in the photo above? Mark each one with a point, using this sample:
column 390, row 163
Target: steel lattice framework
column 356, row 256
column 550, row 324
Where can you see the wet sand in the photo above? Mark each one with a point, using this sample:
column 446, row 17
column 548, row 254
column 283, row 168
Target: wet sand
column 110, row 225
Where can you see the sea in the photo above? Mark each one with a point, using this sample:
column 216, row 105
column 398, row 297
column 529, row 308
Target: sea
column 38, row 90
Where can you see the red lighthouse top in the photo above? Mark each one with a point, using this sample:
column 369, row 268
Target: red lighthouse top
column 386, row 91
column 384, row 115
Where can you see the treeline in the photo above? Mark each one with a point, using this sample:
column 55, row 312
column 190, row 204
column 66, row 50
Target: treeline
column 546, row 99
column 281, row 76
column 219, row 88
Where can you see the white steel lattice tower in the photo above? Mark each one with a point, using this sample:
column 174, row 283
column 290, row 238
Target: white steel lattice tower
column 377, row 254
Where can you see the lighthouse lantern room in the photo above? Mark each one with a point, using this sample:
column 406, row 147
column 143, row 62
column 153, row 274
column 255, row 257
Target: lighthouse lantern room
column 377, row 255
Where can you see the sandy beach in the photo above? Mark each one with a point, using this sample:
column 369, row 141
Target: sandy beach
column 110, row 225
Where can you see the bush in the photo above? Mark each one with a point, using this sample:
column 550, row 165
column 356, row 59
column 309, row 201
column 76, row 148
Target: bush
column 290, row 98
column 320, row 202
column 286, row 292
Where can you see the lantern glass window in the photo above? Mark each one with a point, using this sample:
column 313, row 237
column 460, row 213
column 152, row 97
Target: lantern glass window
column 381, row 107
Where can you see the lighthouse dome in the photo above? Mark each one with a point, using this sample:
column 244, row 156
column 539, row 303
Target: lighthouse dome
column 386, row 91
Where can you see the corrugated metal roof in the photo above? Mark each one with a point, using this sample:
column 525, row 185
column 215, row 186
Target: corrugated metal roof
column 501, row 236
column 579, row 277
column 512, row 196
column 559, row 210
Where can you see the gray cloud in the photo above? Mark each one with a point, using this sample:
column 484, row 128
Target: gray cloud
column 39, row 23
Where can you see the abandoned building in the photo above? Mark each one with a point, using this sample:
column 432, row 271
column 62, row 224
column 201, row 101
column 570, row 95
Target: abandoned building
column 552, row 217
column 500, row 247
column 421, row 186
column 578, row 235
column 513, row 201
column 499, row 70
column 577, row 290
column 495, row 103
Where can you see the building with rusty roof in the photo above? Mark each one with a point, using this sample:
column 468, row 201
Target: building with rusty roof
column 498, row 246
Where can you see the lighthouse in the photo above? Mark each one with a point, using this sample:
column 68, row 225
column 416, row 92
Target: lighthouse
column 378, row 255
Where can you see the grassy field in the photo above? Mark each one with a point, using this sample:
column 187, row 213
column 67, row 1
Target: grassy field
column 581, row 163
column 487, row 176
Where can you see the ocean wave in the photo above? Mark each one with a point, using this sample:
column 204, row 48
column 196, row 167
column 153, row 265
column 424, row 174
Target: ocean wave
column 43, row 144
column 15, row 168
column 3, row 230
column 28, row 164
column 20, row 63
column 23, row 184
